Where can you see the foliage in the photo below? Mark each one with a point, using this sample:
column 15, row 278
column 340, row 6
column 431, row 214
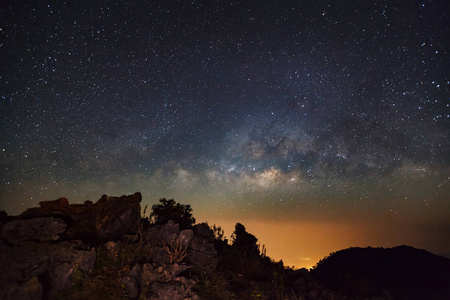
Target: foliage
column 171, row 210
column 218, row 232
column 102, row 283
column 244, row 242
column 212, row 286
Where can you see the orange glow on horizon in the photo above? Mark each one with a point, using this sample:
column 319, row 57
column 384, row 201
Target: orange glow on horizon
column 302, row 244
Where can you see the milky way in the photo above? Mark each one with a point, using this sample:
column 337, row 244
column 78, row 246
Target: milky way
column 306, row 109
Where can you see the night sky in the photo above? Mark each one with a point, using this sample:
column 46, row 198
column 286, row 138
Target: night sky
column 319, row 125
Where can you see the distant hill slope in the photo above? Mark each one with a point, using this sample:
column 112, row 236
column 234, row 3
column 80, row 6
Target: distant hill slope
column 399, row 273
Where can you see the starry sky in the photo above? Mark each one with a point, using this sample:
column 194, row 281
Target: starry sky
column 319, row 125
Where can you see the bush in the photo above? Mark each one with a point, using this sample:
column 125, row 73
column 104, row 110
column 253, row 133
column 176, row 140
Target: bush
column 245, row 242
column 170, row 210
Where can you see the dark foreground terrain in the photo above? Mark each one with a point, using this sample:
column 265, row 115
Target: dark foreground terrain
column 112, row 250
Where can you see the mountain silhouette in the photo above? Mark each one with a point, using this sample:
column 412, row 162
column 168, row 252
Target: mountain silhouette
column 401, row 272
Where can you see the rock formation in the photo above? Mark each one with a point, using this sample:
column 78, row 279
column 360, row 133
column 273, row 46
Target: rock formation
column 48, row 250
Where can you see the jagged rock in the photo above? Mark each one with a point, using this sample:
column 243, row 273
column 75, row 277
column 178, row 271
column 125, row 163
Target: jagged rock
column 152, row 236
column 164, row 282
column 179, row 289
column 313, row 294
column 130, row 286
column 55, row 204
column 160, row 256
column 107, row 219
column 30, row 290
column 204, row 231
column 60, row 276
column 53, row 263
column 175, row 269
column 118, row 215
column 148, row 277
column 36, row 229
column 4, row 218
column 169, row 232
column 131, row 281
column 203, row 255
column 185, row 237
column 112, row 250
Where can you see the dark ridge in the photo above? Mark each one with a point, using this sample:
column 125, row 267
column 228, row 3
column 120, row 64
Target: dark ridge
column 403, row 272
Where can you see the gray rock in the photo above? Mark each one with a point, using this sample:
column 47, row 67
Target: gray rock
column 130, row 286
column 54, row 203
column 202, row 253
column 30, row 290
column 131, row 281
column 112, row 250
column 152, row 236
column 61, row 276
column 172, row 291
column 107, row 219
column 148, row 277
column 186, row 237
column 55, row 261
column 169, row 232
column 136, row 272
column 204, row 231
column 117, row 215
column 176, row 269
column 35, row 229
column 160, row 256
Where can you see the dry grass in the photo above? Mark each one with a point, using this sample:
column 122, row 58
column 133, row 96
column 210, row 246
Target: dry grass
column 177, row 252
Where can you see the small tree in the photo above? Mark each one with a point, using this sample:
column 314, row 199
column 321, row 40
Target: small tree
column 244, row 242
column 171, row 210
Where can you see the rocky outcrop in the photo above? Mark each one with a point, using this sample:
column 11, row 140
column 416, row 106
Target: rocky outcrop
column 165, row 282
column 49, row 249
column 107, row 219
column 203, row 255
column 35, row 229
column 33, row 268
column 43, row 248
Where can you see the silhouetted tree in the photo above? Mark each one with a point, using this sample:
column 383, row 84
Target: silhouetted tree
column 218, row 232
column 244, row 242
column 171, row 210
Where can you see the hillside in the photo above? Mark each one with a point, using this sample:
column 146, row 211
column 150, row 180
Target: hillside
column 403, row 272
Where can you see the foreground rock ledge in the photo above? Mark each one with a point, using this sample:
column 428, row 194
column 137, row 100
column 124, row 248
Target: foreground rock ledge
column 46, row 250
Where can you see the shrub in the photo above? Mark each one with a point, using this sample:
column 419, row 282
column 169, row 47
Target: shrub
column 170, row 210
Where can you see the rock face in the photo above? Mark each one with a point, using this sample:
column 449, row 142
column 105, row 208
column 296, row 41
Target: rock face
column 107, row 219
column 32, row 268
column 51, row 248
column 35, row 229
column 203, row 255
column 42, row 249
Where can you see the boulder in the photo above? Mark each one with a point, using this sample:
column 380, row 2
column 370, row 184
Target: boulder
column 35, row 229
column 4, row 218
column 169, row 232
column 202, row 254
column 186, row 237
column 107, row 219
column 131, row 281
column 54, row 264
column 177, row 289
column 112, row 250
column 117, row 215
column 30, row 290
column 54, row 204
